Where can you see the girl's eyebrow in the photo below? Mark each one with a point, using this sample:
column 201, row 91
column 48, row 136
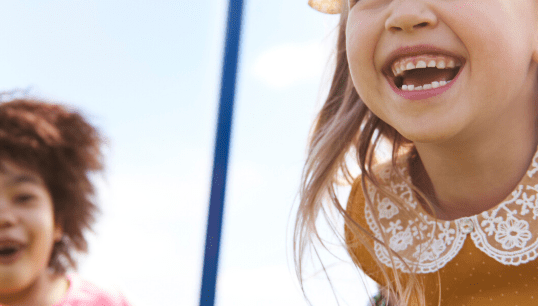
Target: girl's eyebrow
column 23, row 178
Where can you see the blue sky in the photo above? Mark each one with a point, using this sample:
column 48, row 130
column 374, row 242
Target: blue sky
column 147, row 74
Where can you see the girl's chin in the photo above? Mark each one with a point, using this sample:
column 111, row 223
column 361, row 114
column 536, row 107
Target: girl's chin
column 427, row 136
column 15, row 279
column 9, row 289
column 13, row 287
column 432, row 127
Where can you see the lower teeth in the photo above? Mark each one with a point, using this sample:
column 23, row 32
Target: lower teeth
column 425, row 86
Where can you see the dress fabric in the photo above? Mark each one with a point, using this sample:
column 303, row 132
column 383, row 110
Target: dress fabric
column 485, row 259
column 84, row 293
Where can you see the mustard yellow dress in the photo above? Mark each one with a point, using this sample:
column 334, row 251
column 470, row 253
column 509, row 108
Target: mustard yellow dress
column 485, row 259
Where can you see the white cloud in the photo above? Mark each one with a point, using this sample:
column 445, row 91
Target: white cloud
column 142, row 261
column 261, row 286
column 277, row 285
column 152, row 228
column 287, row 64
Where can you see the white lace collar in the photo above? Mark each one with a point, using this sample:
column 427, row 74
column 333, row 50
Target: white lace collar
column 507, row 232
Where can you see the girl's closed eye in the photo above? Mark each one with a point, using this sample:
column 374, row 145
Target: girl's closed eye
column 24, row 198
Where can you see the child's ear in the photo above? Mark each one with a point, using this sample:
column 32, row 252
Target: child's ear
column 58, row 232
column 535, row 50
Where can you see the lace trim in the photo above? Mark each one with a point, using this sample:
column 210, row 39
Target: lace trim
column 506, row 232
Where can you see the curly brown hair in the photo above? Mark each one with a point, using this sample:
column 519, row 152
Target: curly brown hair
column 63, row 148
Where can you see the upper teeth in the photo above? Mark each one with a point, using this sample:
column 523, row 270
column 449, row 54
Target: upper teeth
column 423, row 61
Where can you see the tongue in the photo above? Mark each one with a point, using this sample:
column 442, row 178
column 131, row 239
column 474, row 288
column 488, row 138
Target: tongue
column 419, row 77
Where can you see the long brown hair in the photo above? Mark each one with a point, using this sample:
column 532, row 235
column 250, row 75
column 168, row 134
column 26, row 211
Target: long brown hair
column 345, row 129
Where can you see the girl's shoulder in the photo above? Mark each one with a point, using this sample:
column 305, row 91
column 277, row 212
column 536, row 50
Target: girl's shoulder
column 84, row 293
column 358, row 235
column 384, row 172
column 356, row 202
column 360, row 231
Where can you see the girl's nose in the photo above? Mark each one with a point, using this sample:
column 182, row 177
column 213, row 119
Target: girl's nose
column 409, row 16
column 7, row 218
column 6, row 221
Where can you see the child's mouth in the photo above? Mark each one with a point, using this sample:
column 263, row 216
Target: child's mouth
column 426, row 78
column 425, row 71
column 10, row 253
column 419, row 80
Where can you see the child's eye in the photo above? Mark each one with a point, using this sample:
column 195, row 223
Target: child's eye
column 23, row 198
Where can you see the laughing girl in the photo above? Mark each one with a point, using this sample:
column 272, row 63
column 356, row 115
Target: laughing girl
column 46, row 205
column 452, row 87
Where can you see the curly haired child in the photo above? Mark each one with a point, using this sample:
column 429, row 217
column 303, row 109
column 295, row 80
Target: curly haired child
column 46, row 204
column 452, row 87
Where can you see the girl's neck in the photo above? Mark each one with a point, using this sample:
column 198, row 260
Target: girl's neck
column 47, row 290
column 466, row 178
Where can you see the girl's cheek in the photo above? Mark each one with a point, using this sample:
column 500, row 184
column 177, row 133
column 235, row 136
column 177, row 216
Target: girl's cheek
column 361, row 32
column 353, row 43
column 38, row 218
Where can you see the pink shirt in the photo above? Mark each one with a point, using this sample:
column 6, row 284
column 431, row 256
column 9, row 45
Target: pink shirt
column 84, row 293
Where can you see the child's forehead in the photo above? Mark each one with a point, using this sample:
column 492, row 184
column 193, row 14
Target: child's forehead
column 18, row 171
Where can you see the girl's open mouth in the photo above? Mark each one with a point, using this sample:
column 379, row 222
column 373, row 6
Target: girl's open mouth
column 423, row 76
column 9, row 254
column 426, row 78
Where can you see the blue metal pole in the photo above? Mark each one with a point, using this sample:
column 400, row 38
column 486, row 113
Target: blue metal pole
column 222, row 148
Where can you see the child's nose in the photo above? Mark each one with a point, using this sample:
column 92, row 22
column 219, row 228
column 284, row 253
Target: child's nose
column 409, row 16
column 7, row 218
